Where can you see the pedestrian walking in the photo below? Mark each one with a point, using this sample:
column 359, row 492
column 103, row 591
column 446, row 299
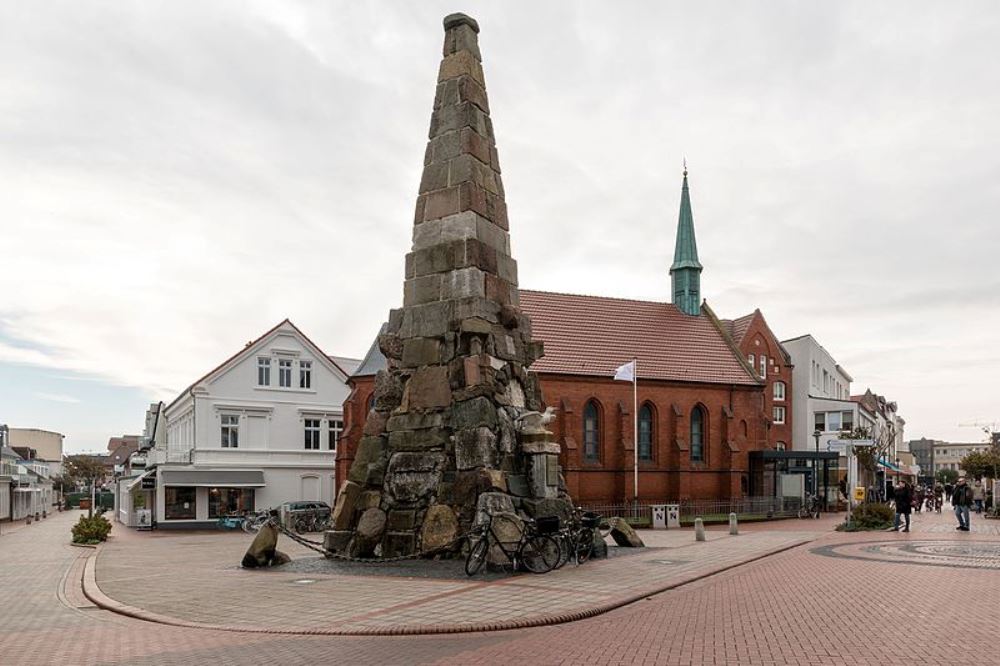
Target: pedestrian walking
column 978, row 495
column 918, row 498
column 961, row 499
column 904, row 503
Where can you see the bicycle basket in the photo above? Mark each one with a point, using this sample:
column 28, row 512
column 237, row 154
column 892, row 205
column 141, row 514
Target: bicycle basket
column 590, row 519
column 547, row 524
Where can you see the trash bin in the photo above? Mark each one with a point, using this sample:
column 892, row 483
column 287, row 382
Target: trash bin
column 673, row 516
column 659, row 516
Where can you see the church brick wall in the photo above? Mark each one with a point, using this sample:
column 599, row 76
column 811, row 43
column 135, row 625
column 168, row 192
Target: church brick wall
column 671, row 475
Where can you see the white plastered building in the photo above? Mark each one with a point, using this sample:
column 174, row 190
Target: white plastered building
column 259, row 430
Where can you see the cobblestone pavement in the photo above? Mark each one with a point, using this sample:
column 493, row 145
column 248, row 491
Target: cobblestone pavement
column 197, row 580
column 796, row 607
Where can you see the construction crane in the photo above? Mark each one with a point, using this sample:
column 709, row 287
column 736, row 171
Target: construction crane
column 992, row 430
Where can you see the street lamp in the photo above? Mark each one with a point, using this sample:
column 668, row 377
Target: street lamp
column 816, row 436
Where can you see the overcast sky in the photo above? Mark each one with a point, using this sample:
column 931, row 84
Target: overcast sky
column 177, row 177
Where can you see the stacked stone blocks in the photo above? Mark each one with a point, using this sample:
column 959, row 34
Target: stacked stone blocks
column 443, row 429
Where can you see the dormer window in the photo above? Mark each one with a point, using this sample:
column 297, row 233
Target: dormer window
column 285, row 373
column 263, row 372
column 305, row 374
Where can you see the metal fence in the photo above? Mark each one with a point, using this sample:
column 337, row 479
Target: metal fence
column 758, row 508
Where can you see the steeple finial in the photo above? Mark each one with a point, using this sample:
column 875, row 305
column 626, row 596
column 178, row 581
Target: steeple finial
column 685, row 272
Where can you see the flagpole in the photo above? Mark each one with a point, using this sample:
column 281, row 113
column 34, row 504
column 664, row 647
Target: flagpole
column 635, row 427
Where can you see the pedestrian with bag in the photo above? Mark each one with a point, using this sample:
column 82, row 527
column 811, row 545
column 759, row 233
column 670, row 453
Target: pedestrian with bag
column 904, row 504
column 978, row 495
column 961, row 499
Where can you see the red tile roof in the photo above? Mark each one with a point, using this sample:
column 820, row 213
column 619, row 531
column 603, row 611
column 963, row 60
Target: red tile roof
column 593, row 335
column 737, row 328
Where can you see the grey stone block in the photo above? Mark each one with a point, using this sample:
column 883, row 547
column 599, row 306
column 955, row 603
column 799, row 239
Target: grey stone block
column 421, row 290
column 418, row 440
column 463, row 283
column 421, row 351
column 475, row 413
column 475, row 448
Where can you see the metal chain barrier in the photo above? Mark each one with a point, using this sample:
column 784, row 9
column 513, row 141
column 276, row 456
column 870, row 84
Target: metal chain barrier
column 320, row 548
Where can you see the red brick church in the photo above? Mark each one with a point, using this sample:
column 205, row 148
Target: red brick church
column 710, row 391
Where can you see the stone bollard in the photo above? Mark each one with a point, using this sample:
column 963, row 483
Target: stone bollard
column 734, row 528
column 699, row 529
column 27, row 519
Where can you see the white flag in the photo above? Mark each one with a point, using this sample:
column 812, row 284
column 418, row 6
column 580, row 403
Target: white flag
column 626, row 373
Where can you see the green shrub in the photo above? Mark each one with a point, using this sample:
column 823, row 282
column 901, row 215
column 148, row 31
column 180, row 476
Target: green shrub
column 869, row 516
column 91, row 530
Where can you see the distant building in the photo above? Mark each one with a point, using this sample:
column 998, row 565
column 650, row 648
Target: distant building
column 47, row 445
column 260, row 429
column 821, row 399
column 948, row 455
column 923, row 454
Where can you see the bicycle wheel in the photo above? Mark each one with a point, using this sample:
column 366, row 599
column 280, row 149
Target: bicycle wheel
column 539, row 553
column 564, row 541
column 584, row 545
column 476, row 558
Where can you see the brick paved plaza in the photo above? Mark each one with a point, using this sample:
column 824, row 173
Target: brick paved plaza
column 836, row 598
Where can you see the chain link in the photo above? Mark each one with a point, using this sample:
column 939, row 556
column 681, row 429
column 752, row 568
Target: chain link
column 320, row 548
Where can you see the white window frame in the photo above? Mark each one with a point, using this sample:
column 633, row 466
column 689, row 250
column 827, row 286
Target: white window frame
column 263, row 368
column 285, row 373
column 305, row 374
column 763, row 366
column 312, row 433
column 779, row 391
column 230, row 431
column 776, row 410
column 752, row 360
column 335, row 428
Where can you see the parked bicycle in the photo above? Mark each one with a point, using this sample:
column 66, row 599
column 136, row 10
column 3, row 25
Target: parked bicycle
column 810, row 507
column 535, row 550
column 231, row 522
column 255, row 521
column 576, row 539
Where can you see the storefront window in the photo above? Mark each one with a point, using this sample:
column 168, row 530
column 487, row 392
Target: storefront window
column 229, row 501
column 179, row 503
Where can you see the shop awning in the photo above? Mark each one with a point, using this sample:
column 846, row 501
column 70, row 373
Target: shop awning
column 137, row 480
column 211, row 478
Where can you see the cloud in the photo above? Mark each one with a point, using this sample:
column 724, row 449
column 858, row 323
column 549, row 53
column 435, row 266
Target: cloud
column 179, row 177
column 56, row 397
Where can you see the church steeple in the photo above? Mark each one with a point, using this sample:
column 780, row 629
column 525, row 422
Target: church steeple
column 685, row 272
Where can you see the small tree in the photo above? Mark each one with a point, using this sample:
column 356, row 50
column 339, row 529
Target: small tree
column 85, row 470
column 982, row 464
column 947, row 476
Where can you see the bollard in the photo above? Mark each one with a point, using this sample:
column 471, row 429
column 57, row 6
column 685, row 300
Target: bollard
column 699, row 529
column 27, row 519
column 734, row 528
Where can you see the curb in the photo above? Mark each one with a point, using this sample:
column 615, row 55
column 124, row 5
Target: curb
column 94, row 594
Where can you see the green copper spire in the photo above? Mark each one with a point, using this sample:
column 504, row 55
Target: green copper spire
column 685, row 273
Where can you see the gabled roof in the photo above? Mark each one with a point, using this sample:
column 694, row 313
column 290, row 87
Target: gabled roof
column 593, row 335
column 249, row 348
column 374, row 360
column 347, row 365
column 737, row 330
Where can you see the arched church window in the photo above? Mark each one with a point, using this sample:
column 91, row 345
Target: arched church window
column 698, row 434
column 646, row 432
column 591, row 432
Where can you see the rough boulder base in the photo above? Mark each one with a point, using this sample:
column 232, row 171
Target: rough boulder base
column 443, row 429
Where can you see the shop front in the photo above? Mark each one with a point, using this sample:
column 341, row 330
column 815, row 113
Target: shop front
column 197, row 498
column 796, row 474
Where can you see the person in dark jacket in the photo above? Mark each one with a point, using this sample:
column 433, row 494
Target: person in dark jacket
column 961, row 499
column 904, row 498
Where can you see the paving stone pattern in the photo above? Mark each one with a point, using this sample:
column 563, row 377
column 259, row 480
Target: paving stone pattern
column 190, row 573
column 796, row 607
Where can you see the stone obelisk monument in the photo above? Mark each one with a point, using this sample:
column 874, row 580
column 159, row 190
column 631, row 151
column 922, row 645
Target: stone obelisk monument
column 454, row 427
